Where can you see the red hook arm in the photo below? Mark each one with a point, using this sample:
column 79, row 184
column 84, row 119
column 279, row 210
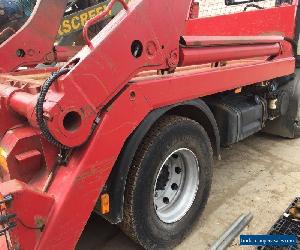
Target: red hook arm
column 97, row 18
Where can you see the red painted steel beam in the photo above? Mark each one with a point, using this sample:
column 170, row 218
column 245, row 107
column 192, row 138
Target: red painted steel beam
column 206, row 41
column 194, row 84
column 26, row 201
column 36, row 37
column 64, row 53
column 16, row 100
column 23, row 103
column 98, row 18
column 272, row 21
column 196, row 56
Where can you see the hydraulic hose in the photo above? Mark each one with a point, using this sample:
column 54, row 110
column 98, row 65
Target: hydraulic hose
column 293, row 44
column 39, row 110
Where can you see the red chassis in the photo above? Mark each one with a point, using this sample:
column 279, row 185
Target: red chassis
column 100, row 97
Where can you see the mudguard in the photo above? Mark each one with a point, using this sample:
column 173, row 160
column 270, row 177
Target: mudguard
column 116, row 183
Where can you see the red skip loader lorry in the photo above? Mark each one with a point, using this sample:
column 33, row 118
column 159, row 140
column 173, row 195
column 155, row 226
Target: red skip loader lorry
column 124, row 113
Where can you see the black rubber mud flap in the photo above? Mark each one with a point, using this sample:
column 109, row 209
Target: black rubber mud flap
column 288, row 126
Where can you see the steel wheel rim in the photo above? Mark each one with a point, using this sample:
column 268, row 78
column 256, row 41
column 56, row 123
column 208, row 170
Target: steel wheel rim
column 176, row 185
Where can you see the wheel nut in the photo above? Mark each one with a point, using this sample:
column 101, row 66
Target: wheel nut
column 174, row 186
column 166, row 200
column 178, row 170
column 20, row 53
column 175, row 156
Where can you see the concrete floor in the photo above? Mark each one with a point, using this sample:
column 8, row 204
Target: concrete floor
column 259, row 175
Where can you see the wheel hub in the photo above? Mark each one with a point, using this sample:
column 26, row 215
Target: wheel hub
column 176, row 185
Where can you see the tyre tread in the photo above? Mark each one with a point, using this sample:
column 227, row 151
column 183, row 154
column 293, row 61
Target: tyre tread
column 128, row 225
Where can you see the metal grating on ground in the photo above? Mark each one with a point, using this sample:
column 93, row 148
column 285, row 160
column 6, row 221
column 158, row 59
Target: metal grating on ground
column 286, row 226
column 209, row 8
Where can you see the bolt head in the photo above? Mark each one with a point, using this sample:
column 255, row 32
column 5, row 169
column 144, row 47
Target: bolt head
column 166, row 200
column 20, row 53
column 178, row 170
column 174, row 186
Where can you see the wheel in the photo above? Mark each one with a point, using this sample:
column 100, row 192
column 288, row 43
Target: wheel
column 168, row 183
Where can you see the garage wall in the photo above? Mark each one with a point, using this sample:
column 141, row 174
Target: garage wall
column 209, row 8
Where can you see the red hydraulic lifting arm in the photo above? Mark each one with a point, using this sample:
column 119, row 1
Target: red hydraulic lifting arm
column 142, row 43
column 34, row 42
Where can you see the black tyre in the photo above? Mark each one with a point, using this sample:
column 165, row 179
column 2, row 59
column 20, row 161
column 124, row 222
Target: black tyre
column 168, row 183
